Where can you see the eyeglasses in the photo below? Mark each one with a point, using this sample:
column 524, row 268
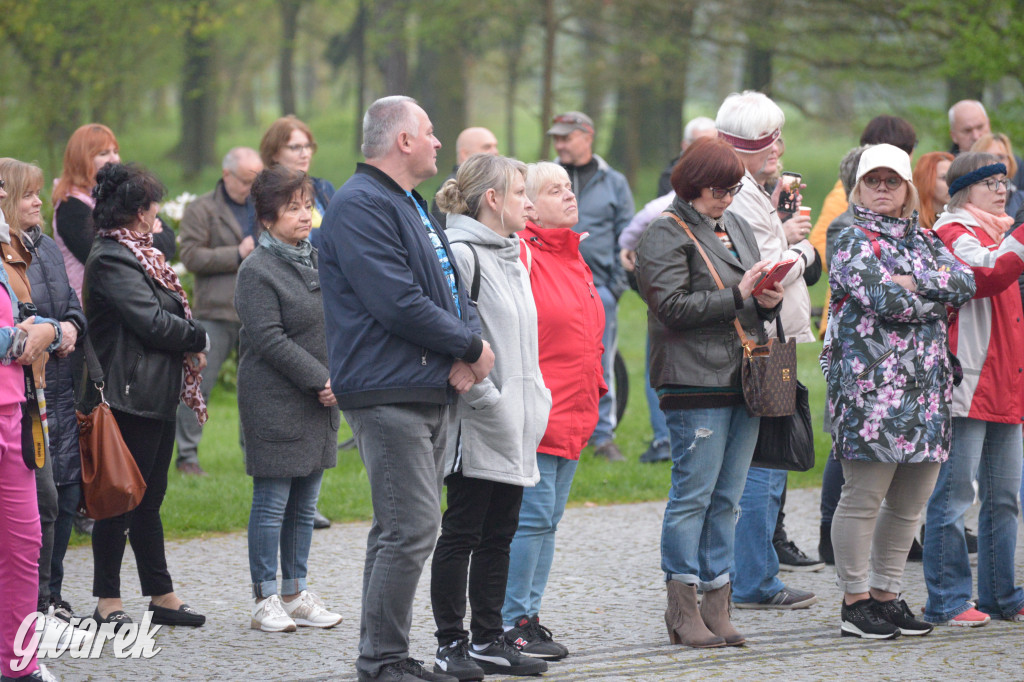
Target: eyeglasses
column 991, row 183
column 718, row 194
column 299, row 148
column 892, row 182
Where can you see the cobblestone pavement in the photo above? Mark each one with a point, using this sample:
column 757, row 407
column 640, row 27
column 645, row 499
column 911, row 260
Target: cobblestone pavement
column 605, row 601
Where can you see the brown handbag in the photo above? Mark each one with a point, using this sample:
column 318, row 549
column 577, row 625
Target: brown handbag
column 768, row 371
column 111, row 482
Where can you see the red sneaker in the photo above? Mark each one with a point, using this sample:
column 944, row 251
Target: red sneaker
column 971, row 618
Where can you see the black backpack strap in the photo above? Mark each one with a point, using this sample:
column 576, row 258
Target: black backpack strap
column 474, row 287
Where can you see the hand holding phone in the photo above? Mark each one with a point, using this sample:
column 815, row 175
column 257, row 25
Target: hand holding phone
column 776, row 274
column 789, row 192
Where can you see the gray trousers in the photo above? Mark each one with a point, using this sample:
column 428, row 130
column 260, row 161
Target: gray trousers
column 402, row 447
column 879, row 510
column 188, row 432
column 46, row 494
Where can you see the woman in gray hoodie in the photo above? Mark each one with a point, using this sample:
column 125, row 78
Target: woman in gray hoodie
column 501, row 420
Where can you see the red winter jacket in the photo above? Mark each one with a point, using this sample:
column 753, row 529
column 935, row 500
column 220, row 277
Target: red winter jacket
column 570, row 322
column 988, row 335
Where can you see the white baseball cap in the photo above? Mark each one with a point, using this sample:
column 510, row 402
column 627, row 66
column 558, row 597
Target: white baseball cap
column 884, row 156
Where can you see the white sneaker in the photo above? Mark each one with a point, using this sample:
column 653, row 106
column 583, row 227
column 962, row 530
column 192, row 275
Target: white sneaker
column 268, row 615
column 309, row 611
column 58, row 637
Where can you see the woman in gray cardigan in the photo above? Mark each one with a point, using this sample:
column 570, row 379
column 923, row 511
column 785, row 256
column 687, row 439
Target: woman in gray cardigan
column 492, row 453
column 289, row 414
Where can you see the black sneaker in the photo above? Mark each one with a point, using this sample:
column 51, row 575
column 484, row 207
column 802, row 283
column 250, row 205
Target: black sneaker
column 409, row 670
column 534, row 640
column 972, row 541
column 825, row 552
column 502, row 658
column 916, row 552
column 864, row 619
column 792, row 559
column 899, row 614
column 659, row 451
column 62, row 610
column 454, row 660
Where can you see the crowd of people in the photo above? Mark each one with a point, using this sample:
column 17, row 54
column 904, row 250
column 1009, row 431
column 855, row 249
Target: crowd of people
column 469, row 344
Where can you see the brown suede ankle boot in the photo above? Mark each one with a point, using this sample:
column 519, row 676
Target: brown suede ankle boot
column 685, row 625
column 714, row 610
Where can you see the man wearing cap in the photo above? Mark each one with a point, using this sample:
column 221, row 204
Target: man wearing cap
column 751, row 123
column 605, row 209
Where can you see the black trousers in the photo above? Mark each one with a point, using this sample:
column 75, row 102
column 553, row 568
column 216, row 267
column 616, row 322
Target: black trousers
column 151, row 442
column 480, row 522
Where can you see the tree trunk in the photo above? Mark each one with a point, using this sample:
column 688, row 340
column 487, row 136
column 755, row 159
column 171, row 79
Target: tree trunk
column 967, row 85
column 392, row 56
column 286, row 60
column 548, row 77
column 441, row 78
column 359, row 45
column 198, row 101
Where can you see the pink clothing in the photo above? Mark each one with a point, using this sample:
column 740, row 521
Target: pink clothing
column 12, row 377
column 20, row 540
column 75, row 267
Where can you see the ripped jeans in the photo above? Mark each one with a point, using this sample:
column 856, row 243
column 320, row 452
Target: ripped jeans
column 711, row 452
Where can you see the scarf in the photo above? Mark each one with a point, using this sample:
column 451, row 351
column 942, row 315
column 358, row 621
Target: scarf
column 152, row 261
column 995, row 226
column 301, row 254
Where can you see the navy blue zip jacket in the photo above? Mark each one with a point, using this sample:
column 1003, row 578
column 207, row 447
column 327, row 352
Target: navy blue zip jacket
column 393, row 330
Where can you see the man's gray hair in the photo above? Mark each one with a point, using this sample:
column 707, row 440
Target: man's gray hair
column 695, row 126
column 749, row 114
column 382, row 122
column 952, row 109
column 235, row 156
column 848, row 168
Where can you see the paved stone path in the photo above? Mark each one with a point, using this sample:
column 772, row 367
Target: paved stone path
column 605, row 602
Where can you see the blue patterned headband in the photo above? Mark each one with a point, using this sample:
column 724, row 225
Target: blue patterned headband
column 976, row 176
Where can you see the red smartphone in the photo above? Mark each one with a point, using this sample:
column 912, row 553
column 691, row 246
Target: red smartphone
column 774, row 275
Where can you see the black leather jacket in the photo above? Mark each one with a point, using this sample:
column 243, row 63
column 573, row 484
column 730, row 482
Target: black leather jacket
column 139, row 331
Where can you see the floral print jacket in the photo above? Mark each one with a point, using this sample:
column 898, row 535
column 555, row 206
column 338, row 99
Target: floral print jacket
column 889, row 370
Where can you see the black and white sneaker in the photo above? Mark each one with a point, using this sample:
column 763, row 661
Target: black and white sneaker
column 864, row 619
column 534, row 640
column 502, row 658
column 899, row 614
column 454, row 660
column 409, row 670
column 791, row 558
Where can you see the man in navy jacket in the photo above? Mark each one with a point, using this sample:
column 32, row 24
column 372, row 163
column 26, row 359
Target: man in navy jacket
column 402, row 339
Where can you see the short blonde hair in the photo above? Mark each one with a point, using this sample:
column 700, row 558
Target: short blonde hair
column 19, row 177
column 541, row 174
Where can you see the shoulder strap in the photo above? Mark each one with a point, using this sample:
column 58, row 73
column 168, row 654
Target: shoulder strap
column 714, row 273
column 93, row 362
column 474, row 287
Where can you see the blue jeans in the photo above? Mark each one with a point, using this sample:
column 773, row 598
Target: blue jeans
column 990, row 453
column 755, row 577
column 533, row 547
column 711, row 452
column 605, row 429
column 659, row 428
column 282, row 515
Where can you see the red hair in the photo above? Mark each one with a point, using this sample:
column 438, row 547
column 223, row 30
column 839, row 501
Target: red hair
column 708, row 162
column 924, row 179
column 78, row 172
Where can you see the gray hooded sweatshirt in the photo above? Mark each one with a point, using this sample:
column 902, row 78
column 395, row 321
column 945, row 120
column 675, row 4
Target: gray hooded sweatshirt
column 502, row 419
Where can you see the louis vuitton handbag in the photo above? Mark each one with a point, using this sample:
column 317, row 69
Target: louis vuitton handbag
column 768, row 371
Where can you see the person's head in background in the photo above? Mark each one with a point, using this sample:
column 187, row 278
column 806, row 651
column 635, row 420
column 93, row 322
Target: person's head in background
column 890, row 130
column 90, row 148
column 695, row 129
column 968, row 121
column 930, row 179
column 474, row 141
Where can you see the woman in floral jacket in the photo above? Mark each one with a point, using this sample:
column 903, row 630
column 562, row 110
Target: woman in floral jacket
column 890, row 382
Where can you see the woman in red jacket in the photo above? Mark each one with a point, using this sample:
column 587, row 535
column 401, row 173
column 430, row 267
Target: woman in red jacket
column 988, row 406
column 570, row 321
